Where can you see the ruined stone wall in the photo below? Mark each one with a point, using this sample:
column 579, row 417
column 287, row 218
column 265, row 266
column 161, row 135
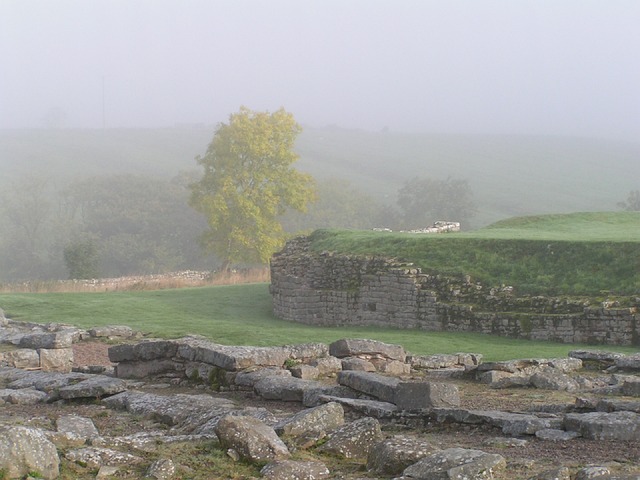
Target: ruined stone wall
column 334, row 289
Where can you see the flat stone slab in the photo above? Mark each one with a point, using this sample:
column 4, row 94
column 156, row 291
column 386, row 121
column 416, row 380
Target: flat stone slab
column 231, row 358
column 378, row 386
column 95, row 387
column 511, row 423
column 353, row 347
column 287, row 389
column 48, row 382
column 622, row 426
column 456, row 463
column 370, row 408
column 629, row 362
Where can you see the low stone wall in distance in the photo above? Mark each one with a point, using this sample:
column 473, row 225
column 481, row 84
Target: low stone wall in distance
column 338, row 290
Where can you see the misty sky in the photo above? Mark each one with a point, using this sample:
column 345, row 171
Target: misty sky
column 564, row 67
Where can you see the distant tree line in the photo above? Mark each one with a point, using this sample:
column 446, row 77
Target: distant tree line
column 632, row 203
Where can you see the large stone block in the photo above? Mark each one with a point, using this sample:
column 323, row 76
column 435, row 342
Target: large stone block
column 56, row 360
column 622, row 426
column 20, row 358
column 378, row 386
column 61, row 339
column 352, row 347
column 425, row 395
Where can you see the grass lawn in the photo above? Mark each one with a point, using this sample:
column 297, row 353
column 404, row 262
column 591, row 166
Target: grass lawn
column 241, row 315
column 590, row 254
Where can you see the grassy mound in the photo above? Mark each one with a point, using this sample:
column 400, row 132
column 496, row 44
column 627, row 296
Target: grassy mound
column 571, row 254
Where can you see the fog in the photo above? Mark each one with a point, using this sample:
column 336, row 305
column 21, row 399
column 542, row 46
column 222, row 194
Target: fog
column 480, row 66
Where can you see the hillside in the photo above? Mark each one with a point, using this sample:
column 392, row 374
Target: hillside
column 509, row 175
column 573, row 254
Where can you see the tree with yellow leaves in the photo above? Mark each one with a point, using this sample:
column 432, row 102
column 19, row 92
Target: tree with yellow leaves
column 248, row 183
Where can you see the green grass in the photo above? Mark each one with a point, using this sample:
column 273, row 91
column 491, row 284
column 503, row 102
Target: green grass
column 241, row 315
column 572, row 254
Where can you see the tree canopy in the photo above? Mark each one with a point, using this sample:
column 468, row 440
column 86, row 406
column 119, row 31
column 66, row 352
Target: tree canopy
column 248, row 183
column 632, row 204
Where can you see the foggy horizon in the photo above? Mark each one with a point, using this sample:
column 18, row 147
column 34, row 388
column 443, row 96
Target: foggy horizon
column 565, row 68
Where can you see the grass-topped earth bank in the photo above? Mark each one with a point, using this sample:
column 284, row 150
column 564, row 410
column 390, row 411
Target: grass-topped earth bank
column 568, row 254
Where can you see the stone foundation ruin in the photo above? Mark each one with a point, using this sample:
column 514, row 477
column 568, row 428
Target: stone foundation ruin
column 337, row 289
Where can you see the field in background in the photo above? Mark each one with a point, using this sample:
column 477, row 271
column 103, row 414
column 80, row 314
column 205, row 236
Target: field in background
column 509, row 175
column 241, row 315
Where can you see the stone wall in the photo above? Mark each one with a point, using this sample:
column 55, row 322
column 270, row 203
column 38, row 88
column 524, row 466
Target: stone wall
column 335, row 289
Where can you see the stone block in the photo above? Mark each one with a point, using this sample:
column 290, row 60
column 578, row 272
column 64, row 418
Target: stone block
column 56, row 360
column 378, row 386
column 20, row 358
column 357, row 364
column 425, row 395
column 351, row 347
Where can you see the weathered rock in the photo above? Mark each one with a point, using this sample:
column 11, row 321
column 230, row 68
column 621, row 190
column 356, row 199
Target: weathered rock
column 60, row 339
column 56, row 360
column 629, row 362
column 510, row 423
column 294, row 470
column 251, row 377
column 631, row 387
column 190, row 412
column 287, row 389
column 378, row 386
column 306, row 352
column 493, row 376
column 566, row 365
column 592, row 472
column 26, row 396
column 605, row 358
column 147, row 368
column 76, row 429
column 369, row 408
column 113, row 331
column 94, row 387
column 162, row 469
column 354, row 440
column 505, row 442
column 510, row 366
column 623, row 426
column 357, row 364
column 393, row 455
column 432, row 362
column 391, row 367
column 312, row 397
column 549, row 380
column 457, row 463
column 327, row 365
column 613, row 405
column 307, row 427
column 251, row 438
column 95, row 457
column 143, row 351
column 20, row 358
column 424, row 395
column 24, row 450
column 554, row 435
column 232, row 358
column 352, row 347
column 49, row 382
column 305, row 372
